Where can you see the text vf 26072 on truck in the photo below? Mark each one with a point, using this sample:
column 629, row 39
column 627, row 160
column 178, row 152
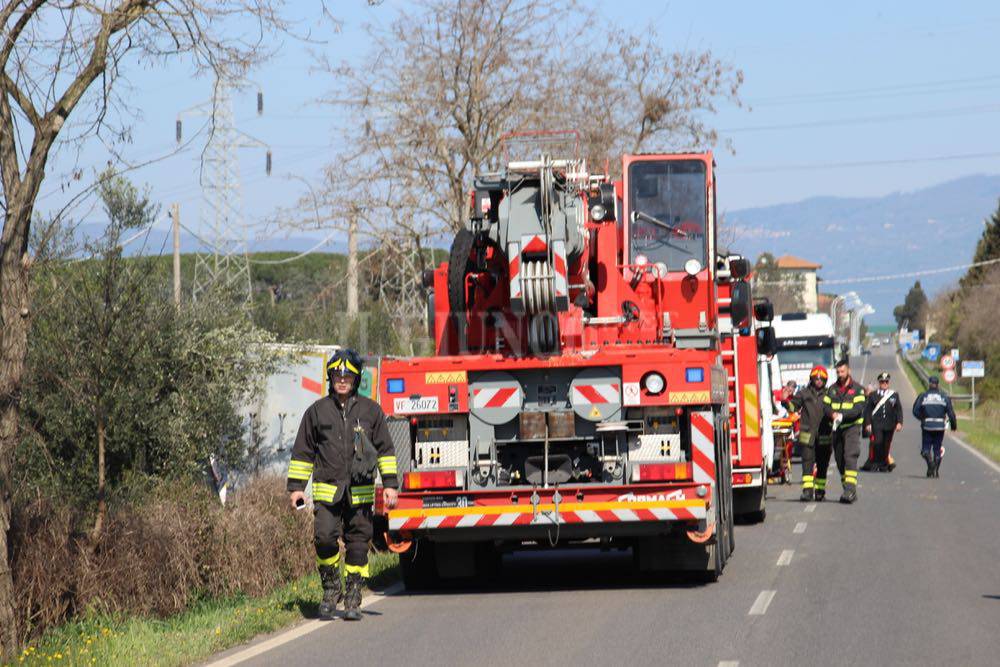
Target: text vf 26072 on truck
column 595, row 375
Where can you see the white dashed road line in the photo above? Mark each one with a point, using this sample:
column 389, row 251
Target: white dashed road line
column 760, row 605
column 729, row 663
column 800, row 527
column 811, row 507
column 786, row 557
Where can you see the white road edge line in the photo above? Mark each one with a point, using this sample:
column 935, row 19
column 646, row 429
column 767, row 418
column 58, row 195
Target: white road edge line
column 800, row 527
column 786, row 557
column 729, row 663
column 760, row 605
column 972, row 450
column 811, row 507
column 298, row 631
column 975, row 452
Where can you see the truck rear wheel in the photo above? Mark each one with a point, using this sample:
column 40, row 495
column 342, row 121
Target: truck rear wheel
column 418, row 566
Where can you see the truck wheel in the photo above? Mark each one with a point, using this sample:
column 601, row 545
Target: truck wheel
column 716, row 552
column 751, row 505
column 418, row 566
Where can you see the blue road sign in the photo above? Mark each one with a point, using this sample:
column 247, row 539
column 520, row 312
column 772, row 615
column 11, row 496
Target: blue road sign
column 932, row 352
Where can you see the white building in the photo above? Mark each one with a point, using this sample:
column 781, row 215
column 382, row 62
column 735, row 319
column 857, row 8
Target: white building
column 805, row 273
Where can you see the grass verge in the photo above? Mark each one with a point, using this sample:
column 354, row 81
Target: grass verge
column 983, row 433
column 207, row 628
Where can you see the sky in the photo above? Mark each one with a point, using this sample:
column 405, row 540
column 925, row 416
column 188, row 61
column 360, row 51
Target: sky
column 847, row 99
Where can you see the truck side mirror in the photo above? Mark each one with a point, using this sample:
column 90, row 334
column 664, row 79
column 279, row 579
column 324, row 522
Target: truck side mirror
column 739, row 268
column 740, row 304
column 763, row 311
column 767, row 342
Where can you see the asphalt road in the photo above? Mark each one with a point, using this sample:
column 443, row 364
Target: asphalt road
column 908, row 575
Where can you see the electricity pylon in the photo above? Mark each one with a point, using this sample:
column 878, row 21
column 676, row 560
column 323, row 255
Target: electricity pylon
column 225, row 264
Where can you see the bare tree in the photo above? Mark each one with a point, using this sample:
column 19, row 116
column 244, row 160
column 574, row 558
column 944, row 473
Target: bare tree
column 429, row 105
column 62, row 75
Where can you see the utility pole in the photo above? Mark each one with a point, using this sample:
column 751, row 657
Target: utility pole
column 352, row 267
column 176, row 215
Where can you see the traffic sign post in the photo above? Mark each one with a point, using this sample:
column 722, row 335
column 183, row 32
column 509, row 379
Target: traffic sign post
column 973, row 370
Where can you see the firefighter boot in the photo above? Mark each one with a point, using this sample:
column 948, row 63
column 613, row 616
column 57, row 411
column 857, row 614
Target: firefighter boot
column 807, row 495
column 820, row 494
column 329, row 575
column 850, row 494
column 352, row 599
column 937, row 467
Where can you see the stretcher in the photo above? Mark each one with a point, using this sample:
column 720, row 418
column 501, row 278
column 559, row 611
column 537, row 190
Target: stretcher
column 785, row 431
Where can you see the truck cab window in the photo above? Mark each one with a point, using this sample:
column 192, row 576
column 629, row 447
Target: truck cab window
column 674, row 195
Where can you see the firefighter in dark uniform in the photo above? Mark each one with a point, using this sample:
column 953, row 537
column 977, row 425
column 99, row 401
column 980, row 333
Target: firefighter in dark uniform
column 934, row 410
column 342, row 439
column 883, row 419
column 844, row 405
column 814, row 432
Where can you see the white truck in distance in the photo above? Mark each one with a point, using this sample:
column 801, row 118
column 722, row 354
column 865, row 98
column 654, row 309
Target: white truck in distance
column 804, row 340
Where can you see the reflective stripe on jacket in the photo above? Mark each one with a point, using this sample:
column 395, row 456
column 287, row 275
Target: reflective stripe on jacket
column 814, row 427
column 847, row 399
column 932, row 408
column 324, row 449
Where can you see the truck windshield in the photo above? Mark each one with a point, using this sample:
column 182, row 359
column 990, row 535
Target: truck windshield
column 673, row 193
column 805, row 358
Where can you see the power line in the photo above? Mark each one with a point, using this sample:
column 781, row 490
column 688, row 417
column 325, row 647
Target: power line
column 909, row 274
column 286, row 260
column 859, row 163
column 880, row 91
column 865, row 120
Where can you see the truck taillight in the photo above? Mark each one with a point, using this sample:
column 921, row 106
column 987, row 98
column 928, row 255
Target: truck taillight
column 742, row 478
column 437, row 479
column 662, row 472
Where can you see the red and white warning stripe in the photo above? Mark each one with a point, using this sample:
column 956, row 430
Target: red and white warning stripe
column 561, row 269
column 595, row 394
column 703, row 446
column 533, row 244
column 481, row 517
column 514, row 270
column 497, row 397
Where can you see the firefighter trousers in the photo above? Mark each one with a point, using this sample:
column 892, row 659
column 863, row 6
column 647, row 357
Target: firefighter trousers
column 353, row 524
column 815, row 461
column 847, row 448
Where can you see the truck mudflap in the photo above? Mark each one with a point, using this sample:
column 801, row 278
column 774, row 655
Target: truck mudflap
column 549, row 507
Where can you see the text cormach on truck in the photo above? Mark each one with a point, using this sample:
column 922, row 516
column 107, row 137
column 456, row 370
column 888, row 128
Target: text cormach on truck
column 595, row 376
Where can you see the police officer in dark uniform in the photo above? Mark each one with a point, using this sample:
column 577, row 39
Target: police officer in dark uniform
column 934, row 410
column 883, row 418
column 844, row 405
column 342, row 439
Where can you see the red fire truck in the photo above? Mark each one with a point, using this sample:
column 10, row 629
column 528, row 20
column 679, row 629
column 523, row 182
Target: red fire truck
column 594, row 377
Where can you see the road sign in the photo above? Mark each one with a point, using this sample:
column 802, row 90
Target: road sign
column 954, row 354
column 932, row 352
column 947, row 362
column 949, row 375
column 973, row 369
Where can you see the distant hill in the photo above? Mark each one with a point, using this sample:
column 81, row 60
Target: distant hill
column 929, row 228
